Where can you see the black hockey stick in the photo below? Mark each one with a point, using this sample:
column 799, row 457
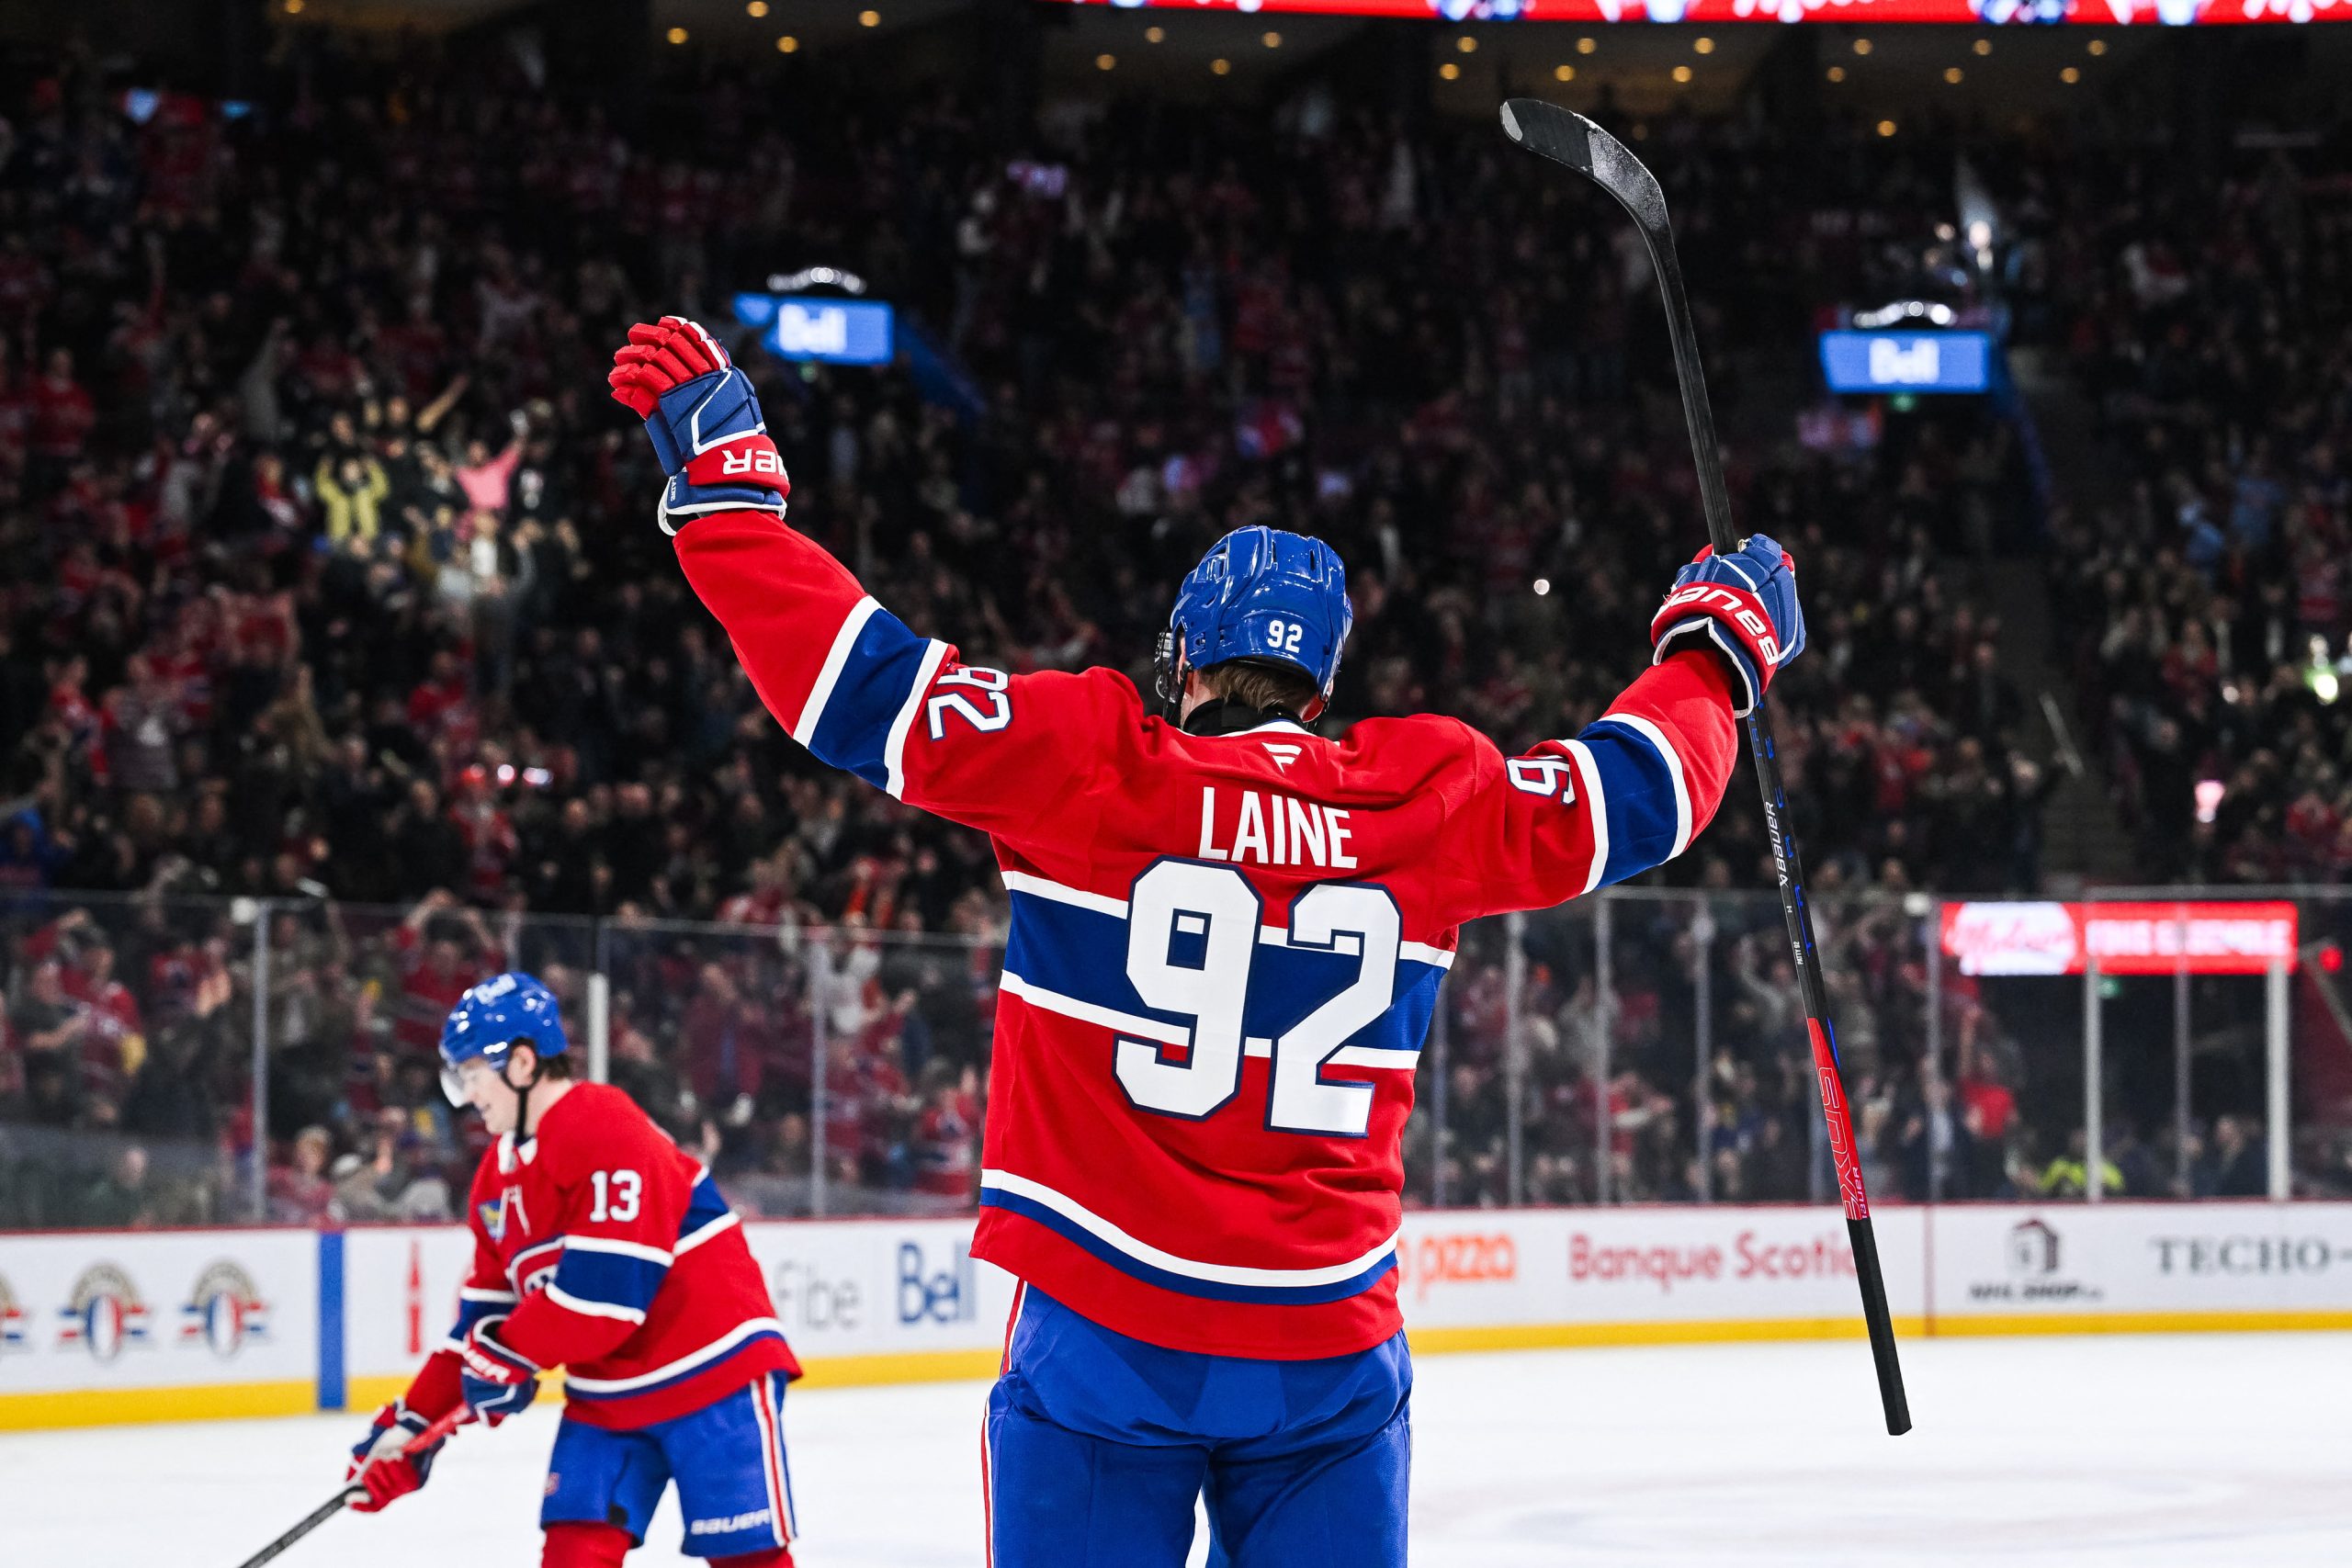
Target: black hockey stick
column 1568, row 138
column 349, row 1494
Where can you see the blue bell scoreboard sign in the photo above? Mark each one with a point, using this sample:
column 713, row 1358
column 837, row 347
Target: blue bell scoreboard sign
column 1907, row 362
column 819, row 327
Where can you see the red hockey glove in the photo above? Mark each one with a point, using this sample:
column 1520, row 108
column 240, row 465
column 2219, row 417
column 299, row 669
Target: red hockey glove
column 380, row 1462
column 704, row 420
column 1743, row 606
column 497, row 1382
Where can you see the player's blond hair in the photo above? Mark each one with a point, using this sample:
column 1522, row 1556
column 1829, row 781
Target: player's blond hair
column 1258, row 684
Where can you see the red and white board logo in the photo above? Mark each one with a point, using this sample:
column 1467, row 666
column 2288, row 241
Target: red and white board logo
column 223, row 1310
column 104, row 1314
column 12, row 1319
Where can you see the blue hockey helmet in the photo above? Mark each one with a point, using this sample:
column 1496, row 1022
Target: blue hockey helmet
column 490, row 1020
column 1261, row 593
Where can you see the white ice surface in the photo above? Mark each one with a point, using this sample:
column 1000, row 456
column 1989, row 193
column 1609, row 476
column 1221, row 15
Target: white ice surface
column 2128, row 1453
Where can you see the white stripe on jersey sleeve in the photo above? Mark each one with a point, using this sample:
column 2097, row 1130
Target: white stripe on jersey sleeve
column 1665, row 747
column 1596, row 807
column 586, row 1308
column 894, row 750
column 805, row 730
column 693, row 1239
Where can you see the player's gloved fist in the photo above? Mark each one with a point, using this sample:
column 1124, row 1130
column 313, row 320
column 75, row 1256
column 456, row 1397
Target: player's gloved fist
column 1744, row 606
column 380, row 1462
column 496, row 1381
column 704, row 419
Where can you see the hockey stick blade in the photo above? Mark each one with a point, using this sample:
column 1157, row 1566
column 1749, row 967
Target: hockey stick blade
column 1567, row 137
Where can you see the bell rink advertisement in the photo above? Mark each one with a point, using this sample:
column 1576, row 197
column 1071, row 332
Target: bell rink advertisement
column 101, row 1326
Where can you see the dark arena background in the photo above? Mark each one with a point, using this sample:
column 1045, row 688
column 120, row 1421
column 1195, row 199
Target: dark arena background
column 343, row 665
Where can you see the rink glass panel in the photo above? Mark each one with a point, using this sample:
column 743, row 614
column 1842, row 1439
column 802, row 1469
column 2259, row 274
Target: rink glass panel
column 127, row 1073
column 840, row 1072
column 2320, row 1045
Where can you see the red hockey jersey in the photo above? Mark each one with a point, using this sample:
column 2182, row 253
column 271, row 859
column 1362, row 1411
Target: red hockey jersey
column 608, row 1251
column 1225, row 949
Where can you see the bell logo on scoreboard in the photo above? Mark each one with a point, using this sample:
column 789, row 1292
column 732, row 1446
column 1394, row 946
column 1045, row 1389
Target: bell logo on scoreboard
column 104, row 1312
column 223, row 1311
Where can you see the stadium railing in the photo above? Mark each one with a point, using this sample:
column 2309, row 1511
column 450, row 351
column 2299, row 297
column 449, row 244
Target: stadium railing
column 1641, row 1046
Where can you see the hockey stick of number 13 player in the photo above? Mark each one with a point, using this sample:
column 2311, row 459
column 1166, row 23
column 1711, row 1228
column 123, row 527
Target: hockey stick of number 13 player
column 1567, row 138
column 350, row 1495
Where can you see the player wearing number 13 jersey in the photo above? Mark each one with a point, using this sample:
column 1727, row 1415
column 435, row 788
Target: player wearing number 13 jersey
column 1228, row 936
column 601, row 1246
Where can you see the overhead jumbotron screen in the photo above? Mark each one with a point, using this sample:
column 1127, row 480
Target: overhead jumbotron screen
column 2026, row 13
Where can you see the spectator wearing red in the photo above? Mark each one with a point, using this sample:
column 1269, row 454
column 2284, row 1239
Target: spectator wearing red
column 300, row 1193
column 63, row 413
column 946, row 1143
column 435, row 968
column 728, row 1041
column 489, row 833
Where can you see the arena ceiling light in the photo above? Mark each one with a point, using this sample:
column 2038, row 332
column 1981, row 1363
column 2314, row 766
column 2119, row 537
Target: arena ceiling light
column 814, row 278
column 1903, row 310
column 1961, row 13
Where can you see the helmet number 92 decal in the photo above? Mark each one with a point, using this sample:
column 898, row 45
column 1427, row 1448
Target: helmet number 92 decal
column 1284, row 637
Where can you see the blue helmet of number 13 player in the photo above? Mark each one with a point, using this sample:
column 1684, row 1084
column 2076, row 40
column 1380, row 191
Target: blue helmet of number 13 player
column 1263, row 595
column 492, row 1019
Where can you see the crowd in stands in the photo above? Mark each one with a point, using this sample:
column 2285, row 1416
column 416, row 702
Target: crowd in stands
column 329, row 577
column 2208, row 584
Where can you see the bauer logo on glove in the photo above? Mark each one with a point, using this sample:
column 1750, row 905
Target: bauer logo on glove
column 704, row 419
column 1744, row 606
column 495, row 1382
column 1740, row 608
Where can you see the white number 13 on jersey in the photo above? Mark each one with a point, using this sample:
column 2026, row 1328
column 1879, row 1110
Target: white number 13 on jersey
column 1216, row 904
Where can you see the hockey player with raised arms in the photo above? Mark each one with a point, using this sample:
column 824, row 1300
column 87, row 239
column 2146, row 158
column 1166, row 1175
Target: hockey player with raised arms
column 603, row 1247
column 1228, row 935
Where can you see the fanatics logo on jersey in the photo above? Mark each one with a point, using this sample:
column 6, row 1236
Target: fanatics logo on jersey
column 1283, row 754
column 104, row 1314
column 223, row 1310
